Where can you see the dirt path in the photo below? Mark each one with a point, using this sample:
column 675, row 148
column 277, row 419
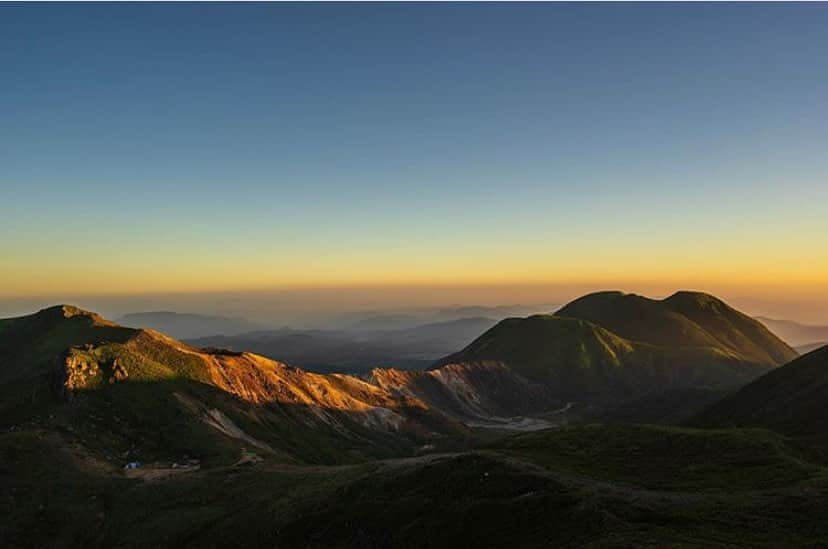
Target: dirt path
column 562, row 410
column 151, row 474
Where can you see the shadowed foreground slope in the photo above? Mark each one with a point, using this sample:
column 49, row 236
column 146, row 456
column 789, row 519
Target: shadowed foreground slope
column 791, row 399
column 591, row 486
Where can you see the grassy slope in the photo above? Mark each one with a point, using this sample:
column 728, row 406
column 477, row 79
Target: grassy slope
column 30, row 347
column 581, row 360
column 593, row 486
column 157, row 416
column 744, row 336
column 124, row 421
column 155, row 410
column 531, row 344
column 791, row 399
column 669, row 457
column 637, row 318
column 671, row 407
column 609, row 347
column 685, row 319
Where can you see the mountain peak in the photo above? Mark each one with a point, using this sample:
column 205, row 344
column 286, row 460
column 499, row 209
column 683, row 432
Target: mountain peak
column 609, row 345
column 64, row 311
column 690, row 296
column 70, row 310
column 685, row 319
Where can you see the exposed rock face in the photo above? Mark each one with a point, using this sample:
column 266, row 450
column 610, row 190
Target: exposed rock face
column 80, row 371
column 334, row 401
column 266, row 382
column 470, row 390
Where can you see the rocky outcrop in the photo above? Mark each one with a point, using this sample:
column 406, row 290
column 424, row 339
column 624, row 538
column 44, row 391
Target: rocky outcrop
column 469, row 390
column 79, row 369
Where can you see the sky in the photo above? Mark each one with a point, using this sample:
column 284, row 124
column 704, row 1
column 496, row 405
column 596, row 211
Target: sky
column 413, row 153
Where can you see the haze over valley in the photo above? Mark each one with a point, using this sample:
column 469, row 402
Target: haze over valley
column 93, row 396
column 413, row 275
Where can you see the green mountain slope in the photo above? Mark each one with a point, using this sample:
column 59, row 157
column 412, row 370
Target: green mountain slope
column 790, row 399
column 579, row 360
column 130, row 394
column 31, row 346
column 685, row 319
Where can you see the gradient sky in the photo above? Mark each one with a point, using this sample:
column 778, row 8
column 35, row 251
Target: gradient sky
column 215, row 147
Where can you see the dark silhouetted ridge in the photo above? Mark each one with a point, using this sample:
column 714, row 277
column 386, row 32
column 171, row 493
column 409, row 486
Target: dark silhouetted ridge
column 791, row 399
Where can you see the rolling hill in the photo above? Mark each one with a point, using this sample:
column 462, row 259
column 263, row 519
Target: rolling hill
column 138, row 392
column 685, row 319
column 790, row 400
column 612, row 347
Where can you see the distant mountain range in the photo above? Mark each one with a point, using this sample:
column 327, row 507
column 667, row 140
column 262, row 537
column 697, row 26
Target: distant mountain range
column 187, row 325
column 790, row 400
column 355, row 352
column 139, row 392
column 405, row 319
column 802, row 336
column 805, row 349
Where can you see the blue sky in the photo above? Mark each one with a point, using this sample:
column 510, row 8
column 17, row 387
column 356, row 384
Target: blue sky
column 220, row 146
